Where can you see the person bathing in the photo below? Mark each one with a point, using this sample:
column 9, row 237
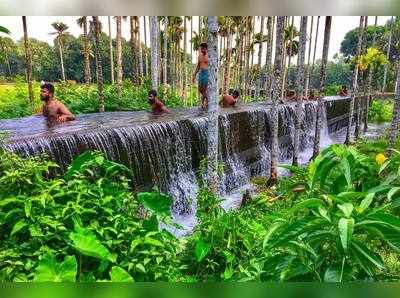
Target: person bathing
column 157, row 106
column 229, row 100
column 54, row 110
column 202, row 69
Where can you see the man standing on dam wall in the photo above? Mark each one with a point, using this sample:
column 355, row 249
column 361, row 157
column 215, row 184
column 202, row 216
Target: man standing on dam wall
column 202, row 69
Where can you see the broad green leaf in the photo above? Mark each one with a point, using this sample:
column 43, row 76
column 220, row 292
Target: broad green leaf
column 392, row 192
column 49, row 270
column 332, row 274
column 345, row 166
column 366, row 257
column 28, row 207
column 346, row 228
column 365, row 203
column 272, row 229
column 384, row 166
column 309, row 203
column 324, row 213
column 79, row 162
column 156, row 202
column 201, row 250
column 347, row 208
column 18, row 227
column 141, row 268
column 118, row 274
column 86, row 242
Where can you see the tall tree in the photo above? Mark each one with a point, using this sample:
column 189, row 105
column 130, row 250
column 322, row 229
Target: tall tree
column 299, row 86
column 322, row 79
column 28, row 59
column 227, row 70
column 165, row 50
column 146, row 59
column 154, row 51
column 387, row 54
column 99, row 65
column 276, row 93
column 139, row 47
column 260, row 50
column 315, row 47
column 355, row 85
column 134, row 50
column 184, row 78
column 61, row 30
column 110, row 45
column 119, row 57
column 268, row 58
column 82, row 23
column 307, row 75
column 212, row 130
column 394, row 128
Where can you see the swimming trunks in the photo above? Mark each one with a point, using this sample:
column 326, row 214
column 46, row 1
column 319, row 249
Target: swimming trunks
column 203, row 77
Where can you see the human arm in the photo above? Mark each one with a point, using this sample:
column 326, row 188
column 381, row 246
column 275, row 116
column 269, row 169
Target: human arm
column 64, row 114
column 196, row 71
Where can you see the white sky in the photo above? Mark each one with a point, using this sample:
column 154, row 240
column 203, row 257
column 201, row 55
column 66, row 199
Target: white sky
column 39, row 28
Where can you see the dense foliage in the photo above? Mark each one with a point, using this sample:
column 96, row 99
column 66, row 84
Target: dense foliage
column 335, row 220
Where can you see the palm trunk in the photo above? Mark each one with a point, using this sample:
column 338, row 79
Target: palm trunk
column 111, row 51
column 283, row 83
column 322, row 79
column 247, row 57
column 165, row 50
column 309, row 58
column 99, row 65
column 154, row 52
column 139, row 47
column 299, row 86
column 227, row 72
column 315, row 48
column 134, row 52
column 119, row 58
column 394, row 128
column 290, row 54
column 7, row 61
column 212, row 130
column 268, row 59
column 387, row 55
column 146, row 60
column 355, row 85
column 260, row 50
column 28, row 60
column 184, row 62
column 276, row 87
column 86, row 52
column 61, row 59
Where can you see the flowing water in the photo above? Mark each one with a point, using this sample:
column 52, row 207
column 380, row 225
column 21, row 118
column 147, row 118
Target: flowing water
column 167, row 150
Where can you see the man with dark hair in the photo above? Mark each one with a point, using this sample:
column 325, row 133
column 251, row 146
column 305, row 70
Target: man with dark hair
column 229, row 100
column 157, row 106
column 202, row 69
column 54, row 110
column 343, row 91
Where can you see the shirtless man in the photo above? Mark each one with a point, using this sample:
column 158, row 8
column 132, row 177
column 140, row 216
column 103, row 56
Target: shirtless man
column 229, row 100
column 54, row 110
column 202, row 66
column 157, row 106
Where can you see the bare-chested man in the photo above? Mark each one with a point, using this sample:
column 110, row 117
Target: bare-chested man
column 54, row 110
column 157, row 106
column 229, row 100
column 202, row 69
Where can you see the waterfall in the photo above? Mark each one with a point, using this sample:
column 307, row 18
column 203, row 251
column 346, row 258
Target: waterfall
column 167, row 151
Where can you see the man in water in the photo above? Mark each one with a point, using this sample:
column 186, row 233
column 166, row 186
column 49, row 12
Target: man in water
column 343, row 91
column 157, row 106
column 229, row 100
column 54, row 110
column 202, row 66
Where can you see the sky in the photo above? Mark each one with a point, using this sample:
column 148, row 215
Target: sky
column 39, row 27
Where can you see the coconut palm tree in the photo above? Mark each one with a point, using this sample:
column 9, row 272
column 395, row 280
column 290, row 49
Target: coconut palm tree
column 82, row 23
column 165, row 36
column 134, row 50
column 387, row 54
column 146, row 60
column 322, row 80
column 99, row 66
column 154, row 51
column 139, row 47
column 212, row 127
column 355, row 79
column 259, row 38
column 299, row 86
column 268, row 58
column 61, row 30
column 315, row 47
column 110, row 46
column 226, row 29
column 307, row 75
column 28, row 59
column 184, row 79
column 276, row 93
column 119, row 56
column 371, row 69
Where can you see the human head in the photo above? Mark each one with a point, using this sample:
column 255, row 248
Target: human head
column 46, row 91
column 235, row 94
column 203, row 48
column 152, row 95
